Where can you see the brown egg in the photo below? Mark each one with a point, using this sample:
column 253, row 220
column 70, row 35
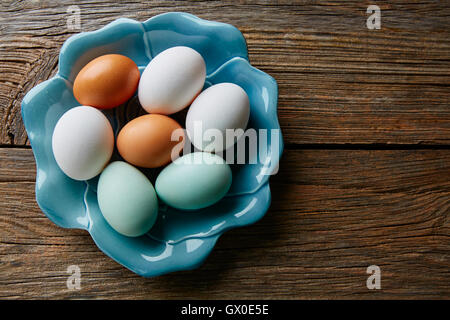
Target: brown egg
column 146, row 141
column 106, row 82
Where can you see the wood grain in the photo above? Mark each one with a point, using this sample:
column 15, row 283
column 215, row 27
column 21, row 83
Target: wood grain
column 335, row 209
column 334, row 213
column 338, row 81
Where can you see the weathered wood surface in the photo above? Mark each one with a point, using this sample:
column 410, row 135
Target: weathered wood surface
column 336, row 209
column 334, row 213
column 338, row 81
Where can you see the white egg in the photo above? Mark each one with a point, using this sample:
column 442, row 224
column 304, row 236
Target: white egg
column 172, row 80
column 82, row 142
column 220, row 107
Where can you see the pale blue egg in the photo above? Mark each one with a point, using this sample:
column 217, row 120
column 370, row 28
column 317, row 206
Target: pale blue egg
column 127, row 199
column 194, row 181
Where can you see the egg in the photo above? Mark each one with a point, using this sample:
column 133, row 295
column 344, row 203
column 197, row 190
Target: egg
column 127, row 199
column 194, row 181
column 150, row 141
column 82, row 142
column 172, row 80
column 107, row 81
column 220, row 107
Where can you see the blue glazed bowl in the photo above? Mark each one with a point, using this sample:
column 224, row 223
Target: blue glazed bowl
column 179, row 240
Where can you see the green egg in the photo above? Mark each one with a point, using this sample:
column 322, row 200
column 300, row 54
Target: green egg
column 127, row 199
column 194, row 181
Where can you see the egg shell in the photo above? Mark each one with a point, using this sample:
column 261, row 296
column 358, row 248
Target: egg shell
column 220, row 107
column 82, row 142
column 127, row 199
column 146, row 141
column 194, row 181
column 107, row 81
column 172, row 80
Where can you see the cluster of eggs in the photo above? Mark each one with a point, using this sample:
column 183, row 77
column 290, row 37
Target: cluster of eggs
column 83, row 140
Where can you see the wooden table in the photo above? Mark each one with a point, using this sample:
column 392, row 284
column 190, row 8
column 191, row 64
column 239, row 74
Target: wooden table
column 364, row 179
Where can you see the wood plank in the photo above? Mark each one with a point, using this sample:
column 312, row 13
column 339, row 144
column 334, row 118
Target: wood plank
column 334, row 213
column 338, row 82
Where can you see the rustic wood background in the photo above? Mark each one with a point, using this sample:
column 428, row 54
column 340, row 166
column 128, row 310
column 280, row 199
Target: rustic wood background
column 365, row 177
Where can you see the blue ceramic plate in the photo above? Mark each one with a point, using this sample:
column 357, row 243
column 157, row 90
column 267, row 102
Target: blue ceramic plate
column 179, row 240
